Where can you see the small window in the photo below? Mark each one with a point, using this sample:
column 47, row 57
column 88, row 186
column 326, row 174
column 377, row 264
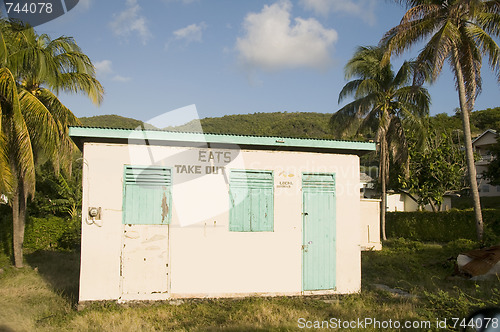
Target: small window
column 251, row 201
column 147, row 195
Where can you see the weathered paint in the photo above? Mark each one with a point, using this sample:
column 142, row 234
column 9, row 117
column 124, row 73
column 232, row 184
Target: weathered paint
column 204, row 257
column 144, row 262
column 318, row 244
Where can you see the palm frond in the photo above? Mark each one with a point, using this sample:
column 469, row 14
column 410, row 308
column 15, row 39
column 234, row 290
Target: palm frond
column 404, row 74
column 489, row 22
column 349, row 89
column 414, row 98
column 3, row 49
column 402, row 37
column 80, row 83
column 487, row 46
column 6, row 179
column 20, row 153
column 43, row 128
column 64, row 118
column 8, row 93
column 438, row 49
column 368, row 87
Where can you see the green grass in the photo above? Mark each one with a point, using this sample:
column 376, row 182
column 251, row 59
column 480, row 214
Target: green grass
column 42, row 297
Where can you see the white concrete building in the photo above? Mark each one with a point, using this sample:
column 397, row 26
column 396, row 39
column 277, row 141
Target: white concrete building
column 402, row 202
column 173, row 215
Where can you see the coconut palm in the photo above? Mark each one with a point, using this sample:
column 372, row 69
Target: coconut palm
column 34, row 126
column 460, row 31
column 384, row 102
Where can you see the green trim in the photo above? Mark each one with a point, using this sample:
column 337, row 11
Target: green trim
column 91, row 134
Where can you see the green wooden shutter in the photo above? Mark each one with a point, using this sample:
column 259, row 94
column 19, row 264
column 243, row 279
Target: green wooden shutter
column 147, row 195
column 251, row 201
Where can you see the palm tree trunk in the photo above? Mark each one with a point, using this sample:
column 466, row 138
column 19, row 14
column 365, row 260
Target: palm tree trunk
column 383, row 170
column 383, row 206
column 19, row 221
column 469, row 154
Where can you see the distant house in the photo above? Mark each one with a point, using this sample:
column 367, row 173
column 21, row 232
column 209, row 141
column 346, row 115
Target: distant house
column 367, row 186
column 402, row 202
column 482, row 145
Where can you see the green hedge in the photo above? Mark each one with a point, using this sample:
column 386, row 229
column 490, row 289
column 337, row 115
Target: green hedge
column 441, row 226
column 51, row 233
column 41, row 233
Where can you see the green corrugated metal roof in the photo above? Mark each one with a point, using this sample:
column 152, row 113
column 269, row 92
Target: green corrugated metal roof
column 95, row 134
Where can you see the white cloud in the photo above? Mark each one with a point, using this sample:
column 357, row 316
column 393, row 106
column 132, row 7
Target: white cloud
column 84, row 4
column 119, row 78
column 363, row 8
column 130, row 21
column 273, row 42
column 191, row 33
column 185, row 2
column 104, row 69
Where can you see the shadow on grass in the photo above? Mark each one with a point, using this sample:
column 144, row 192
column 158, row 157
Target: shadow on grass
column 60, row 269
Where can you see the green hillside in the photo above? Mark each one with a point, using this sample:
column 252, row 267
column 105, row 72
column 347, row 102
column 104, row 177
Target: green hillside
column 304, row 125
column 112, row 121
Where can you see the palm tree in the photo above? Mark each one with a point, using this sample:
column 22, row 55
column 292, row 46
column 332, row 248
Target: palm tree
column 34, row 126
column 459, row 31
column 383, row 102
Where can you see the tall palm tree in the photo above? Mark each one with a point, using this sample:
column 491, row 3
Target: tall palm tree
column 34, row 126
column 384, row 101
column 460, row 31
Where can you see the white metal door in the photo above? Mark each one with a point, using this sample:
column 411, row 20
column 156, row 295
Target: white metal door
column 144, row 261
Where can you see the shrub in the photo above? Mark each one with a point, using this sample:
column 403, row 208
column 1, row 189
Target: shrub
column 50, row 233
column 442, row 226
column 42, row 233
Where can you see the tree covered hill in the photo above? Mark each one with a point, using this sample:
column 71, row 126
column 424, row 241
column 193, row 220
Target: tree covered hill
column 304, row 125
column 111, row 121
column 480, row 121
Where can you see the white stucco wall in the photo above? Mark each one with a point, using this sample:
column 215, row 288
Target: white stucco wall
column 370, row 224
column 204, row 258
column 395, row 203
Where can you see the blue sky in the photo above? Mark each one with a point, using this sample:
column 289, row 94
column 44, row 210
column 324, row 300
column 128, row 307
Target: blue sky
column 231, row 56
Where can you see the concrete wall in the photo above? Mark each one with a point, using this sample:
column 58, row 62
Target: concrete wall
column 202, row 257
column 370, row 224
column 395, row 203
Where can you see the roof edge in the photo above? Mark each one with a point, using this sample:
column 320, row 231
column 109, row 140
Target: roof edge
column 89, row 134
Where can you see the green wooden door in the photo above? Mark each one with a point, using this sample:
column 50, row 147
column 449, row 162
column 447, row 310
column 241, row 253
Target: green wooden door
column 318, row 249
